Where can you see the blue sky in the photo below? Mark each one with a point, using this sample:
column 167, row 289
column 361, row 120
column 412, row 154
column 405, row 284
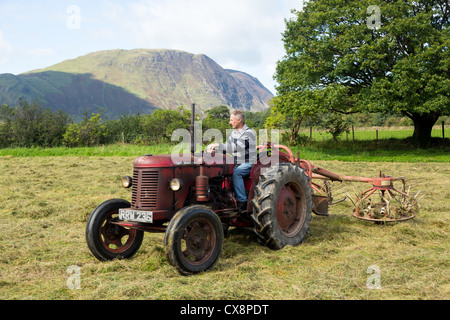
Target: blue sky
column 238, row 34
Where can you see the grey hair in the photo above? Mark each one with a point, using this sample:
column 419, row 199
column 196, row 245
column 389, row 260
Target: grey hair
column 238, row 114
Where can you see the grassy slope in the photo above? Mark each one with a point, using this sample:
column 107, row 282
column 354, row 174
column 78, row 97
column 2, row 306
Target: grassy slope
column 46, row 202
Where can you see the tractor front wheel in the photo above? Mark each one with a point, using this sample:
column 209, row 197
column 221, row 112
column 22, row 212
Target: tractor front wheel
column 282, row 206
column 193, row 240
column 108, row 241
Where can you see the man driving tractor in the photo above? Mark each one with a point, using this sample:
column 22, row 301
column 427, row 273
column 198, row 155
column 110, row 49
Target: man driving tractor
column 242, row 145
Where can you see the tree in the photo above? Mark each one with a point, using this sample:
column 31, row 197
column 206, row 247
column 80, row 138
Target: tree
column 335, row 124
column 286, row 119
column 217, row 118
column 159, row 126
column 221, row 113
column 30, row 124
column 89, row 132
column 257, row 119
column 128, row 128
column 350, row 56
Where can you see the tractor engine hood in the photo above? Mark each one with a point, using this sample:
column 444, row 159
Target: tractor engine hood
column 165, row 161
column 157, row 161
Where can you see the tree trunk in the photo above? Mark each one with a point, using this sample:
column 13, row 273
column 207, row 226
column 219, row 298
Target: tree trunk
column 294, row 130
column 423, row 124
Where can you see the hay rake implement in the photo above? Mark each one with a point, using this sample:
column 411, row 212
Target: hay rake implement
column 388, row 199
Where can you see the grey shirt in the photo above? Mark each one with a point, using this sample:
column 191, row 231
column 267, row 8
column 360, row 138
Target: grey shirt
column 242, row 145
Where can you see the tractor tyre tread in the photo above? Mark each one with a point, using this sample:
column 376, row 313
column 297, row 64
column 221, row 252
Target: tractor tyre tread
column 264, row 205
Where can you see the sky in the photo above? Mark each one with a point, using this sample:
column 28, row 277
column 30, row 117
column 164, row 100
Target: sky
column 244, row 35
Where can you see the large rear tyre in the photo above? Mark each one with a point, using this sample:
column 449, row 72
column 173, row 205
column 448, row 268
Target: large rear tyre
column 282, row 206
column 193, row 240
column 108, row 241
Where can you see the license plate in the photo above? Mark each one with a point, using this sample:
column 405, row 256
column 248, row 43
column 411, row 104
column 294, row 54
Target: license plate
column 136, row 215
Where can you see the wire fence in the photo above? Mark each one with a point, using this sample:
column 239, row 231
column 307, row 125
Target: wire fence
column 374, row 133
column 315, row 134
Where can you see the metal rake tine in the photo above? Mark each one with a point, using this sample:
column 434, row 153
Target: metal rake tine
column 417, row 200
column 416, row 194
column 353, row 202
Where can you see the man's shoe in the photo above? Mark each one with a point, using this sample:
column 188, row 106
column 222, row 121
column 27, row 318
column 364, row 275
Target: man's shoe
column 242, row 206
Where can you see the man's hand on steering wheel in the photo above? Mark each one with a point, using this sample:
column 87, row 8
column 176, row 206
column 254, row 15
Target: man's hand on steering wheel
column 210, row 148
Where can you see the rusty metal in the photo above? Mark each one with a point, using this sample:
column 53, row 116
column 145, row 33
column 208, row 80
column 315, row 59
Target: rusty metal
column 320, row 205
column 198, row 241
column 192, row 129
column 144, row 188
column 201, row 186
column 114, row 238
column 392, row 205
column 386, row 203
column 289, row 210
column 140, row 226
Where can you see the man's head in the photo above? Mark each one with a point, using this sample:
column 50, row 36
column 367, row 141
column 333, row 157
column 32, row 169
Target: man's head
column 237, row 119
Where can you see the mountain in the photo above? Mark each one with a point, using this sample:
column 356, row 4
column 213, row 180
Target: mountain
column 140, row 80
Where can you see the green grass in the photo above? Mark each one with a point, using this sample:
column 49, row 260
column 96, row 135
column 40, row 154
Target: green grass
column 369, row 134
column 45, row 202
column 113, row 150
column 388, row 150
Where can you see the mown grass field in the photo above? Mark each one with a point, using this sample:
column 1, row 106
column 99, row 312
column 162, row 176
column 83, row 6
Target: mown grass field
column 45, row 201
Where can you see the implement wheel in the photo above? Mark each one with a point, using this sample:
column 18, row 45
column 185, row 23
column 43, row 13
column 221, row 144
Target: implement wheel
column 194, row 239
column 282, row 206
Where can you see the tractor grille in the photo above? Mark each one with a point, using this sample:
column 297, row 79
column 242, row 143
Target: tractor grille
column 145, row 189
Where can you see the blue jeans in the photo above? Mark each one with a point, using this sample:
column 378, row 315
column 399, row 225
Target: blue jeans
column 239, row 172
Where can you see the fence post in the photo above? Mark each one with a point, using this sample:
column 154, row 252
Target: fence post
column 353, row 133
column 443, row 130
column 376, row 134
column 310, row 133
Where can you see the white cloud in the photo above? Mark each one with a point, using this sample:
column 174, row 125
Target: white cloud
column 238, row 34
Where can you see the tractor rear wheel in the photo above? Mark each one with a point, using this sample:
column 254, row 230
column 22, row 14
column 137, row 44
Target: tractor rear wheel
column 282, row 206
column 194, row 239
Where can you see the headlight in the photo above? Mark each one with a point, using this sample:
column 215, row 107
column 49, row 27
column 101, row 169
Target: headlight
column 176, row 184
column 127, row 182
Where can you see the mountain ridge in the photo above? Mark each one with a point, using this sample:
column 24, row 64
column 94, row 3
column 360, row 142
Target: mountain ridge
column 137, row 80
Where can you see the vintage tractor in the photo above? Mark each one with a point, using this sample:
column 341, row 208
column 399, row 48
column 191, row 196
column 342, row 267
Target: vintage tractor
column 193, row 202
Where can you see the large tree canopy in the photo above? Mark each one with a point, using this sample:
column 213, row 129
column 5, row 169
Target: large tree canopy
column 377, row 56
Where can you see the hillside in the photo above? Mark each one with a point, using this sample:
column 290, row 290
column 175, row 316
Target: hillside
column 122, row 81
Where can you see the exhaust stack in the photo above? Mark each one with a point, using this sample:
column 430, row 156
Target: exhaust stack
column 201, row 181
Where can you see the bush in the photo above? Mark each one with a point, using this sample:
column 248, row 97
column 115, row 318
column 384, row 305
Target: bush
column 29, row 124
column 335, row 124
column 90, row 132
column 217, row 118
column 128, row 128
column 158, row 126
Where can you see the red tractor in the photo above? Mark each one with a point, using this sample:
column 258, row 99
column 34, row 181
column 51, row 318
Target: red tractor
column 193, row 202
